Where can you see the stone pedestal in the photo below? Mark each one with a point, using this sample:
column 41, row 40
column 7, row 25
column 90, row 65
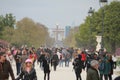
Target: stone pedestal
column 98, row 39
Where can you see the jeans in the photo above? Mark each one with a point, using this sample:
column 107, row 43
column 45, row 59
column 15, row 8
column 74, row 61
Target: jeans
column 18, row 67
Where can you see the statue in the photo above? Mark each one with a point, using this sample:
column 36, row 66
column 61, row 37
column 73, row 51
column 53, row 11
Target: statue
column 98, row 39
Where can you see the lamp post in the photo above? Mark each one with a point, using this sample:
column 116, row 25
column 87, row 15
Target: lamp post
column 90, row 12
column 102, row 4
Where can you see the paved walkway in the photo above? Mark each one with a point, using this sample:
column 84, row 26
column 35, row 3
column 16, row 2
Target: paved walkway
column 62, row 73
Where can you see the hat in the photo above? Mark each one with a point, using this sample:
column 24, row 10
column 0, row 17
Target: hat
column 28, row 60
column 1, row 53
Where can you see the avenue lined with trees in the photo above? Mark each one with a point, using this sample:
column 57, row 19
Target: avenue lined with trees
column 28, row 32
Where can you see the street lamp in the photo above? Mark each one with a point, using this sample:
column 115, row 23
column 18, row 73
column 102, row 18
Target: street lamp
column 102, row 4
column 90, row 12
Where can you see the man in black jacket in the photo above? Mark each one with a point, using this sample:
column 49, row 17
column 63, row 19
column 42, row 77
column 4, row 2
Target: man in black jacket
column 77, row 66
column 46, row 67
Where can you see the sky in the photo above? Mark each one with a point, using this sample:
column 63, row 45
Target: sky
column 50, row 12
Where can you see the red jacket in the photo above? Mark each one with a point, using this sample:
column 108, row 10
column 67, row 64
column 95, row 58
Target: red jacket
column 83, row 55
column 33, row 56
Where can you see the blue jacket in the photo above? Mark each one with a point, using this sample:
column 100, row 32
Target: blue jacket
column 107, row 67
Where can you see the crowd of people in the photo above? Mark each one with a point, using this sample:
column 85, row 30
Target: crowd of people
column 25, row 59
column 97, row 65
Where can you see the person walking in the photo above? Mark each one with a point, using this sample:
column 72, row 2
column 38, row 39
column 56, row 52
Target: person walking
column 46, row 67
column 77, row 66
column 106, row 67
column 84, row 56
column 5, row 68
column 114, row 61
column 40, row 59
column 18, row 60
column 24, row 56
column 28, row 72
column 55, row 61
column 92, row 73
column 111, row 67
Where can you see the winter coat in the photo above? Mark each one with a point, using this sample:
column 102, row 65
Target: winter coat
column 112, row 65
column 46, row 66
column 55, row 59
column 18, row 58
column 40, row 59
column 92, row 74
column 5, row 70
column 107, row 67
column 101, row 67
column 24, row 75
column 77, row 64
column 83, row 56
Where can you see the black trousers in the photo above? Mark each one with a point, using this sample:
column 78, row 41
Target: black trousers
column 78, row 74
column 110, row 76
column 48, row 76
column 105, row 76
